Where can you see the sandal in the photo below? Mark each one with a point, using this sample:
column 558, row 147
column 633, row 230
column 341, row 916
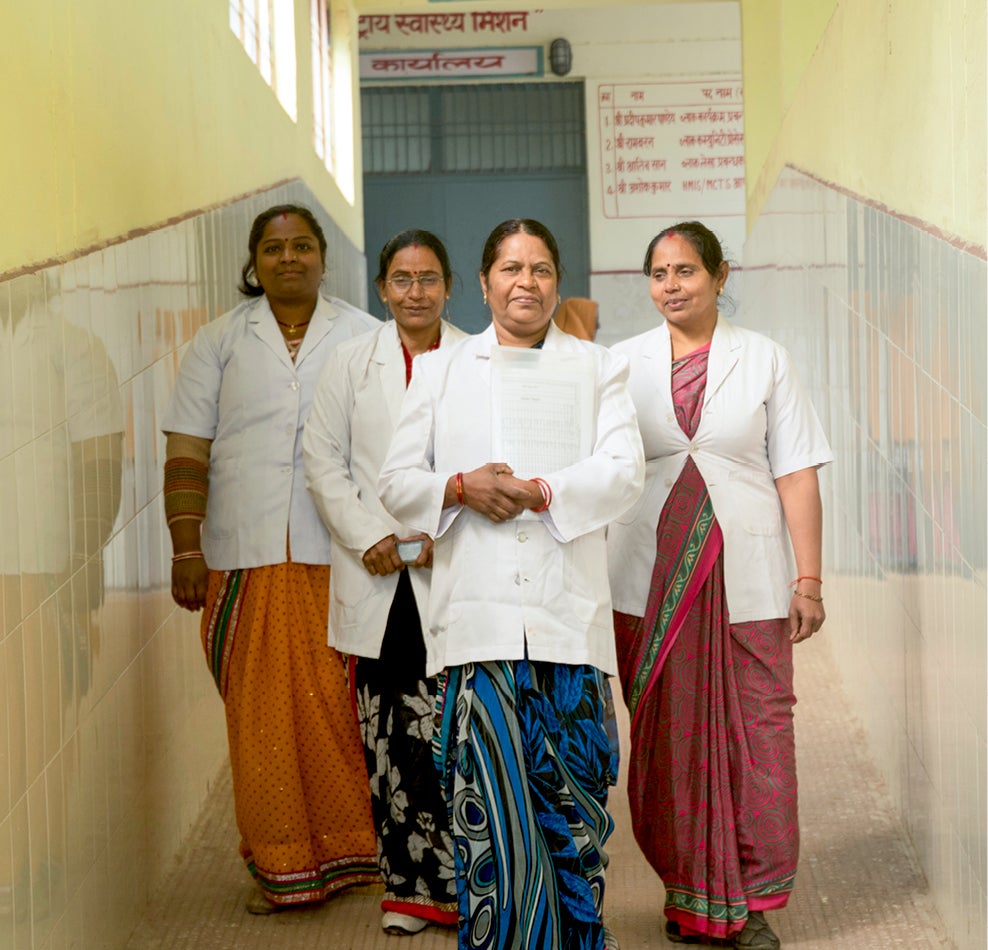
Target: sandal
column 258, row 903
column 757, row 934
column 610, row 941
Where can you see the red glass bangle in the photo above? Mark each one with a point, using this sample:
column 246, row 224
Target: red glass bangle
column 459, row 488
column 546, row 495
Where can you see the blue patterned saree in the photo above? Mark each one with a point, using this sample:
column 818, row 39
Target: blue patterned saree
column 526, row 762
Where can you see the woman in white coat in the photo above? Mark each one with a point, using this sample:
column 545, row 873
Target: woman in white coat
column 708, row 603
column 381, row 577
column 250, row 551
column 519, row 619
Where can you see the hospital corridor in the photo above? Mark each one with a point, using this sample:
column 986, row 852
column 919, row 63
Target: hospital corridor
column 838, row 149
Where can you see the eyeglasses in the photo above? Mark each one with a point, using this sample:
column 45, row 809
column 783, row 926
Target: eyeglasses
column 427, row 283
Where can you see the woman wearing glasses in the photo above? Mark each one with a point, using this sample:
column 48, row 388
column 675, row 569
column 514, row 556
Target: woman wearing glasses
column 381, row 574
column 518, row 617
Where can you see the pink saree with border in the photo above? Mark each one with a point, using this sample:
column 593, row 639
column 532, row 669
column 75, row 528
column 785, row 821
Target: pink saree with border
column 712, row 773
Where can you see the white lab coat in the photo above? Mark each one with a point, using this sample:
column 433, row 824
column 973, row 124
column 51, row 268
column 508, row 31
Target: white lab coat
column 756, row 425
column 238, row 386
column 348, row 431
column 537, row 583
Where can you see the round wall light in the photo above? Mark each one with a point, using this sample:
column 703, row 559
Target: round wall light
column 560, row 57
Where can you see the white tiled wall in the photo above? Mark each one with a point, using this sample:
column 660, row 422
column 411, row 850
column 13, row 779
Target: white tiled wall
column 111, row 731
column 889, row 324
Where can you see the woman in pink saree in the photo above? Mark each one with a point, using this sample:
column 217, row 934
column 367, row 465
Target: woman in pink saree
column 708, row 602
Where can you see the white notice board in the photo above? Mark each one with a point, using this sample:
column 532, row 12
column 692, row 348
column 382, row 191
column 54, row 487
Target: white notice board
column 673, row 150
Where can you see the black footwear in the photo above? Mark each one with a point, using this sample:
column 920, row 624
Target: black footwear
column 757, row 935
column 675, row 935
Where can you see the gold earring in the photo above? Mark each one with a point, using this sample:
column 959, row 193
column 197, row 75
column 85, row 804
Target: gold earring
column 485, row 300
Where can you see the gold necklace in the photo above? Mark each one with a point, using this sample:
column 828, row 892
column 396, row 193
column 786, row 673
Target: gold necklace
column 293, row 326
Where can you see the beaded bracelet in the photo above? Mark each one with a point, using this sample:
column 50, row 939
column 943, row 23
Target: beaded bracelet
column 459, row 488
column 186, row 556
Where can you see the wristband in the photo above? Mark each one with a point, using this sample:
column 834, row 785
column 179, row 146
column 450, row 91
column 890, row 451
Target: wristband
column 459, row 488
column 805, row 577
column 186, row 556
column 185, row 490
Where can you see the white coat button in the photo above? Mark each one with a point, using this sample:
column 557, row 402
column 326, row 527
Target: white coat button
column 671, row 417
column 668, row 483
column 522, row 537
column 517, row 580
column 692, row 446
column 294, row 385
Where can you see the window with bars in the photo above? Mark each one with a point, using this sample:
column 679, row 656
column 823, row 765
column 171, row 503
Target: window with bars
column 266, row 28
column 510, row 127
column 322, row 83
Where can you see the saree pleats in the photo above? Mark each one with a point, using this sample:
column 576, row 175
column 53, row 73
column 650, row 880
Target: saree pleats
column 711, row 776
column 526, row 764
column 299, row 780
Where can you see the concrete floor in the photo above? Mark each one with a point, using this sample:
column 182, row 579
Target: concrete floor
column 858, row 887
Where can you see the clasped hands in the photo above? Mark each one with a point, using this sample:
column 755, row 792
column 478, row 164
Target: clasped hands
column 493, row 491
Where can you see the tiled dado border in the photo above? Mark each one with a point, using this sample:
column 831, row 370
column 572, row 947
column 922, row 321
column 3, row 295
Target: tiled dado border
column 792, row 172
column 344, row 263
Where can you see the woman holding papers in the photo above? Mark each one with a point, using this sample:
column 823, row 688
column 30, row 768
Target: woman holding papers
column 514, row 450
column 710, row 602
column 381, row 577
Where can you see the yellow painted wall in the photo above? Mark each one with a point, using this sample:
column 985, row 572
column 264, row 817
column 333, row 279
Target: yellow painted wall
column 891, row 103
column 121, row 115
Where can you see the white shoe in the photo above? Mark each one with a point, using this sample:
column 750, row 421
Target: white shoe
column 402, row 925
column 610, row 941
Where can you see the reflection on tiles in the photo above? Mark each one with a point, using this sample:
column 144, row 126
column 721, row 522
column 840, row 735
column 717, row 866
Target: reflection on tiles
column 110, row 728
column 888, row 324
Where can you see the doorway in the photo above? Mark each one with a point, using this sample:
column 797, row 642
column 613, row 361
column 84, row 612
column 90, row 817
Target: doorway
column 457, row 160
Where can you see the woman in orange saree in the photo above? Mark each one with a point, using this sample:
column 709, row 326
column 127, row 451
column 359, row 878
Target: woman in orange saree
column 252, row 554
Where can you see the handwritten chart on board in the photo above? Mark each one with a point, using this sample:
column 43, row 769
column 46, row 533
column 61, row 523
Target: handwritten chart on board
column 671, row 149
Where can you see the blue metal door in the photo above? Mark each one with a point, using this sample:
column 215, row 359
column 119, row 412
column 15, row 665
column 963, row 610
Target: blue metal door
column 463, row 164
